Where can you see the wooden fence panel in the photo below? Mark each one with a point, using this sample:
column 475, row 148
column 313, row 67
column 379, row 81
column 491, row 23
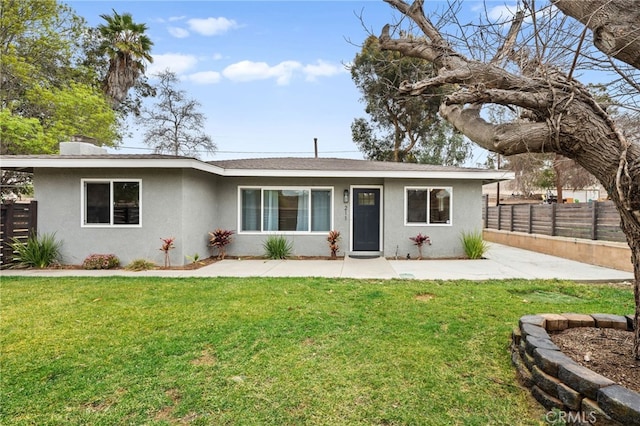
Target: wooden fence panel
column 574, row 220
column 17, row 221
column 593, row 220
column 541, row 220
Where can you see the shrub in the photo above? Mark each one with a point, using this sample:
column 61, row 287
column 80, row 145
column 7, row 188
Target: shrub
column 140, row 265
column 333, row 238
column 101, row 261
column 474, row 246
column 194, row 259
column 167, row 245
column 277, row 247
column 420, row 240
column 219, row 239
column 39, row 251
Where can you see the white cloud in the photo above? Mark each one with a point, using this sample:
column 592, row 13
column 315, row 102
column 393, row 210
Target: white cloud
column 282, row 73
column 205, row 77
column 176, row 18
column 251, row 71
column 212, row 26
column 216, row 56
column 178, row 32
column 322, row 69
column 176, row 62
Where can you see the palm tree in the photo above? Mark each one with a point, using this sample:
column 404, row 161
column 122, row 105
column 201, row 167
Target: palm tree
column 128, row 47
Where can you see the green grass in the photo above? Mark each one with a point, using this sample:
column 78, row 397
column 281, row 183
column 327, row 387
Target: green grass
column 294, row 351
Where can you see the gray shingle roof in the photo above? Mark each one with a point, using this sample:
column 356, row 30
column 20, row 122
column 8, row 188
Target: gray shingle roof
column 335, row 164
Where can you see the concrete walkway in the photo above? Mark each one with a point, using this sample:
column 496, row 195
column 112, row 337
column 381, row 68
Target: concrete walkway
column 502, row 262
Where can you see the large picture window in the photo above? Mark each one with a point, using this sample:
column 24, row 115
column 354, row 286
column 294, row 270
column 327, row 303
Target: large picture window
column 428, row 206
column 111, row 202
column 285, row 209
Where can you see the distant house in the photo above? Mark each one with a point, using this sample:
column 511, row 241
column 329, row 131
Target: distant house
column 124, row 204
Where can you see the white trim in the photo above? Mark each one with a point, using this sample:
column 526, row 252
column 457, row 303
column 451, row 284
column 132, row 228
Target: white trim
column 380, row 212
column 428, row 189
column 110, row 181
column 190, row 163
column 331, row 190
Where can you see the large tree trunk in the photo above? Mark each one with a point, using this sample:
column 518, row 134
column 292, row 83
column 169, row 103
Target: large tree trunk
column 120, row 78
column 560, row 115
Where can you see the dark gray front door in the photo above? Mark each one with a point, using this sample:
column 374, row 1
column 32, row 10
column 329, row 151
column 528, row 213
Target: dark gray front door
column 366, row 219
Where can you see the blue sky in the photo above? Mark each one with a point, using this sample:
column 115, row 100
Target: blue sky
column 271, row 75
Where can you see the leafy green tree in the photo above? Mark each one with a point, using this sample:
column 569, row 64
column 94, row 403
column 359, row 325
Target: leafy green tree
column 128, row 47
column 46, row 95
column 174, row 125
column 400, row 128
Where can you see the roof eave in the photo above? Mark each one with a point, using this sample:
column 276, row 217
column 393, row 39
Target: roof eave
column 28, row 164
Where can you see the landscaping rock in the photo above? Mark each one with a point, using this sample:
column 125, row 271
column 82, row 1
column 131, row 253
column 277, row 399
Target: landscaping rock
column 516, row 335
column 582, row 379
column 534, row 330
column 595, row 415
column 547, row 383
column 621, row 404
column 579, row 320
column 547, row 401
column 532, row 319
column 549, row 361
column 521, row 370
column 532, row 343
column 555, row 322
column 571, row 398
column 610, row 321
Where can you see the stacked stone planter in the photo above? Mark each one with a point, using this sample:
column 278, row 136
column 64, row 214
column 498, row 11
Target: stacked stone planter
column 556, row 381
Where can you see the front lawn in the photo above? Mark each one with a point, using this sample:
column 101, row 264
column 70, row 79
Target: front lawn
column 272, row 351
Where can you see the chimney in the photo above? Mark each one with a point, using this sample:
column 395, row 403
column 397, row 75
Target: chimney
column 315, row 146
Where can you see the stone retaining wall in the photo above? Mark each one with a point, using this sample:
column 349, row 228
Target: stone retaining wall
column 556, row 381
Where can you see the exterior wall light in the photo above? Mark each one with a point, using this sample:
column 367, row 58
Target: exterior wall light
column 345, row 196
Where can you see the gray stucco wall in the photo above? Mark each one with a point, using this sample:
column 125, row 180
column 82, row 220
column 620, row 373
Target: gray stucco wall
column 187, row 204
column 445, row 239
column 174, row 203
column 466, row 216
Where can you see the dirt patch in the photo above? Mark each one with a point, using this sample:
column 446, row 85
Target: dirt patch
column 425, row 297
column 606, row 351
column 207, row 358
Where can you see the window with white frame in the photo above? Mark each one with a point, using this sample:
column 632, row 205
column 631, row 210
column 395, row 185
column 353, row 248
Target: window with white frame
column 428, row 206
column 111, row 202
column 291, row 209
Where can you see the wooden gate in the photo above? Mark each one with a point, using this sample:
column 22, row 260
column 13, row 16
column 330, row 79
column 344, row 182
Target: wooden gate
column 18, row 220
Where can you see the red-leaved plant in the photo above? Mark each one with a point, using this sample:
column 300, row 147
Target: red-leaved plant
column 167, row 244
column 333, row 238
column 219, row 239
column 420, row 240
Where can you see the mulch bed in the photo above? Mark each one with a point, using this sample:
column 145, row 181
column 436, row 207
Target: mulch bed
column 606, row 351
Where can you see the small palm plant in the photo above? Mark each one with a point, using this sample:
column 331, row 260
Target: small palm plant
column 474, row 246
column 220, row 239
column 277, row 247
column 167, row 245
column 420, row 240
column 38, row 251
column 333, row 238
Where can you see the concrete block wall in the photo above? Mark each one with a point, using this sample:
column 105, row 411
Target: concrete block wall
column 556, row 381
column 595, row 252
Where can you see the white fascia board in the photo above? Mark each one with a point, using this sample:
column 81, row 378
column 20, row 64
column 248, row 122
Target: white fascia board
column 189, row 163
column 412, row 174
column 109, row 163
